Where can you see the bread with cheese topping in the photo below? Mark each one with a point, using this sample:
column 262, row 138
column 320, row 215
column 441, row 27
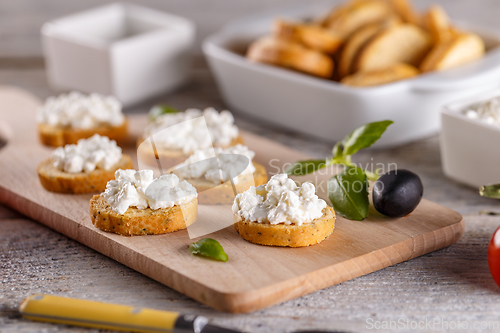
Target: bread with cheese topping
column 168, row 157
column 290, row 235
column 57, row 136
column 135, row 222
column 55, row 180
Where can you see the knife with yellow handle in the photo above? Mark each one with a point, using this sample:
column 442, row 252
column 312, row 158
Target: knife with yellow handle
column 70, row 311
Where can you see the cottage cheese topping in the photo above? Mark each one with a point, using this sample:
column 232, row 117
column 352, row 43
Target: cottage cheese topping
column 76, row 110
column 280, row 201
column 96, row 152
column 488, row 112
column 132, row 188
column 194, row 129
column 231, row 162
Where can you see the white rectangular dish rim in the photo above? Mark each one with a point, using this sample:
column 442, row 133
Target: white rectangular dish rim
column 468, row 145
column 468, row 74
column 280, row 96
column 56, row 27
column 456, row 109
column 125, row 50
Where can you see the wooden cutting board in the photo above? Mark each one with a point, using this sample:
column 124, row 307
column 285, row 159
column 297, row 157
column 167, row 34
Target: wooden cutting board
column 255, row 276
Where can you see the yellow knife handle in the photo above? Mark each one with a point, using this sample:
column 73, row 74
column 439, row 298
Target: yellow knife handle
column 77, row 312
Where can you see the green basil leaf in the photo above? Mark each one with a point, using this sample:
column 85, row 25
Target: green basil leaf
column 348, row 192
column 158, row 110
column 209, row 248
column 301, row 168
column 490, row 191
column 364, row 136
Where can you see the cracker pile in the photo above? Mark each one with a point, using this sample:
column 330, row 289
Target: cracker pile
column 369, row 42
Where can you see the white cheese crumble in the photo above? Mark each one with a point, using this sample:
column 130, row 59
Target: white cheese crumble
column 139, row 189
column 230, row 163
column 194, row 129
column 77, row 110
column 96, row 152
column 488, row 112
column 280, row 201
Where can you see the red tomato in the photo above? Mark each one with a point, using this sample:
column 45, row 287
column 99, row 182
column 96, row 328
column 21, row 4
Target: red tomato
column 494, row 256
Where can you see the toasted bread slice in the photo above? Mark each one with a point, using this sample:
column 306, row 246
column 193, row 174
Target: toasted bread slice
column 55, row 180
column 404, row 43
column 352, row 47
column 346, row 20
column 147, row 221
column 406, row 11
column 287, row 235
column 286, row 53
column 357, row 41
column 458, row 51
column 374, row 78
column 168, row 157
column 60, row 136
column 312, row 36
column 224, row 194
column 437, row 22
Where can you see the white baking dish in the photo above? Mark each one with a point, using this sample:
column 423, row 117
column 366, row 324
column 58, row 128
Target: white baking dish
column 327, row 109
column 124, row 50
column 470, row 148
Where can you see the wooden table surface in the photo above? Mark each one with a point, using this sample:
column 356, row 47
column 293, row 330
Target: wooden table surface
column 447, row 287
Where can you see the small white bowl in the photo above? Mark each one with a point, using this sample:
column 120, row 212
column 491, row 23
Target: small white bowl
column 470, row 150
column 124, row 50
column 330, row 110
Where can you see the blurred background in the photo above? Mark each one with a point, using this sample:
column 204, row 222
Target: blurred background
column 21, row 59
column 21, row 20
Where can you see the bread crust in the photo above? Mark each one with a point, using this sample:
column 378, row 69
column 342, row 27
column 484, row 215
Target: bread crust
column 169, row 157
column 287, row 235
column 406, row 11
column 404, row 43
column 291, row 54
column 55, row 180
column 356, row 14
column 310, row 35
column 458, row 51
column 437, row 22
column 374, row 78
column 137, row 222
column 358, row 40
column 223, row 194
column 60, row 136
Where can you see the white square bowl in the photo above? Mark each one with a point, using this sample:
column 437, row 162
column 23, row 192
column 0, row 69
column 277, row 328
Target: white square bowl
column 330, row 110
column 470, row 148
column 124, row 50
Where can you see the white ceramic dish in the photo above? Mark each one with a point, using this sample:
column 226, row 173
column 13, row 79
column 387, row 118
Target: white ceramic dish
column 327, row 109
column 470, row 147
column 124, row 50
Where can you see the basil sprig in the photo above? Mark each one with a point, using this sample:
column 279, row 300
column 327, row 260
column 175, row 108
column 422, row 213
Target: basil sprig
column 348, row 192
column 360, row 138
column 490, row 191
column 158, row 110
column 348, row 200
column 209, row 248
column 305, row 167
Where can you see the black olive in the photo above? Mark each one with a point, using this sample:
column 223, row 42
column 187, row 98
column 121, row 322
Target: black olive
column 397, row 193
